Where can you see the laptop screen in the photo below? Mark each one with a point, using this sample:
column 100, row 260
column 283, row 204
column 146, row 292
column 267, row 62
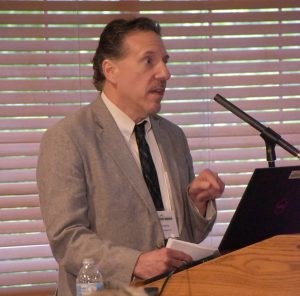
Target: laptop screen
column 269, row 206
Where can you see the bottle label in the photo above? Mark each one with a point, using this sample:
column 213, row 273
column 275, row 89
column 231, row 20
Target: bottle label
column 87, row 289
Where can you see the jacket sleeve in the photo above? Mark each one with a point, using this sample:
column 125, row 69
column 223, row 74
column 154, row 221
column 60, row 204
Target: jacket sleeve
column 197, row 227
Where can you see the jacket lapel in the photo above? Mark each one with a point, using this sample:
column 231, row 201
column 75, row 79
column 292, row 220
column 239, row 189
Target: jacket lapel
column 111, row 140
column 167, row 153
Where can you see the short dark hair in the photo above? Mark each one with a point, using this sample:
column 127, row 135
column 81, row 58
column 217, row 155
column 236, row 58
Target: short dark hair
column 110, row 42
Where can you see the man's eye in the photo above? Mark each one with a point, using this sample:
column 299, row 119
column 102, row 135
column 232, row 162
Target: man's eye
column 148, row 60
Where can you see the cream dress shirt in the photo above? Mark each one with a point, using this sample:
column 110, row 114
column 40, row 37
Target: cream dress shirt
column 126, row 126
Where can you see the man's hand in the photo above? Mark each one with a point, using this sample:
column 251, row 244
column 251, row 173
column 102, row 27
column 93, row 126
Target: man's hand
column 159, row 261
column 205, row 187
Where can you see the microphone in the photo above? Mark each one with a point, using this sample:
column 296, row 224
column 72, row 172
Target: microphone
column 267, row 133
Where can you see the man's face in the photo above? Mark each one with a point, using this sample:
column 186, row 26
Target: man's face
column 141, row 74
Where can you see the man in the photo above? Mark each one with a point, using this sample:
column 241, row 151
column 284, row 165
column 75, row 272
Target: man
column 94, row 199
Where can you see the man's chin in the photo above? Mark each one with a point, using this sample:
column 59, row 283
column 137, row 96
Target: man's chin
column 155, row 109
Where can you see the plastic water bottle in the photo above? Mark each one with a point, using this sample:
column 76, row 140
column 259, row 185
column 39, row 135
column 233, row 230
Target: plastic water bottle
column 89, row 278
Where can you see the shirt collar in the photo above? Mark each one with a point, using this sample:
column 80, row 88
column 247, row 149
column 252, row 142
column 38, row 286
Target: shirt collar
column 123, row 121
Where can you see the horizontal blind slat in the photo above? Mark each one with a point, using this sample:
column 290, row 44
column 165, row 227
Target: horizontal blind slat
column 240, row 167
column 188, row 55
column 173, row 43
column 171, row 29
column 30, row 213
column 25, row 252
column 25, row 290
column 146, row 5
column 27, row 278
column 28, row 188
column 23, row 239
column 177, row 82
column 24, row 226
column 175, row 69
column 196, row 94
column 19, row 201
column 28, row 265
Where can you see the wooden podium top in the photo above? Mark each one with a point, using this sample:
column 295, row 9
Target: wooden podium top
column 267, row 268
column 270, row 267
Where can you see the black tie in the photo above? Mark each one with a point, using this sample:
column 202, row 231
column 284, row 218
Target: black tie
column 148, row 168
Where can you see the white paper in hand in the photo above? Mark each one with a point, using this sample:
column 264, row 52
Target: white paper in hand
column 196, row 251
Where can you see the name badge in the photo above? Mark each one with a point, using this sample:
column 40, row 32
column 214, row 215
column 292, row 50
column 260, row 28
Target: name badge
column 168, row 223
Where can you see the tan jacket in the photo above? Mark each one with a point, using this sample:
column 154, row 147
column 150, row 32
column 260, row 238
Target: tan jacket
column 95, row 202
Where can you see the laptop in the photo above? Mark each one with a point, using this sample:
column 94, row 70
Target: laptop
column 269, row 206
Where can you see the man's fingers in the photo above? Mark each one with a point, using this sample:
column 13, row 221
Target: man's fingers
column 178, row 258
column 208, row 180
column 212, row 178
column 199, row 186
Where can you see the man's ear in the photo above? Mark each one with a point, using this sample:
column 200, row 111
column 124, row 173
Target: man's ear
column 109, row 69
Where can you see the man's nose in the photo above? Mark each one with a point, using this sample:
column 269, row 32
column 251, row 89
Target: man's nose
column 163, row 72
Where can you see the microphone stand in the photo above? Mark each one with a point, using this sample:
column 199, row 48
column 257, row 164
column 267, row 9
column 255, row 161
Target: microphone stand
column 270, row 137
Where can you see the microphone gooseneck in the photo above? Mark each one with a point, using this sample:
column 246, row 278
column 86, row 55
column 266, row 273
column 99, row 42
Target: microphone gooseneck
column 270, row 136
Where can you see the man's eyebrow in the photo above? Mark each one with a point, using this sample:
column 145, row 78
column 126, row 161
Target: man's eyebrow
column 166, row 57
column 150, row 52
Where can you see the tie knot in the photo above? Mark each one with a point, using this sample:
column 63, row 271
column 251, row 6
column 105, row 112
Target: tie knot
column 139, row 129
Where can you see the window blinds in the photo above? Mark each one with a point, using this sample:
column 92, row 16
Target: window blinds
column 246, row 50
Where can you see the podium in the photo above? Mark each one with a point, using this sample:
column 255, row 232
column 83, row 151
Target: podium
column 270, row 267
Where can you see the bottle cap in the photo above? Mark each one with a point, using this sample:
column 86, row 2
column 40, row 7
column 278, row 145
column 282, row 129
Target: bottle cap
column 88, row 261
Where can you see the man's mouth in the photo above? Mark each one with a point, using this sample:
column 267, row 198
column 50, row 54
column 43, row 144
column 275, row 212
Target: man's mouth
column 158, row 90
